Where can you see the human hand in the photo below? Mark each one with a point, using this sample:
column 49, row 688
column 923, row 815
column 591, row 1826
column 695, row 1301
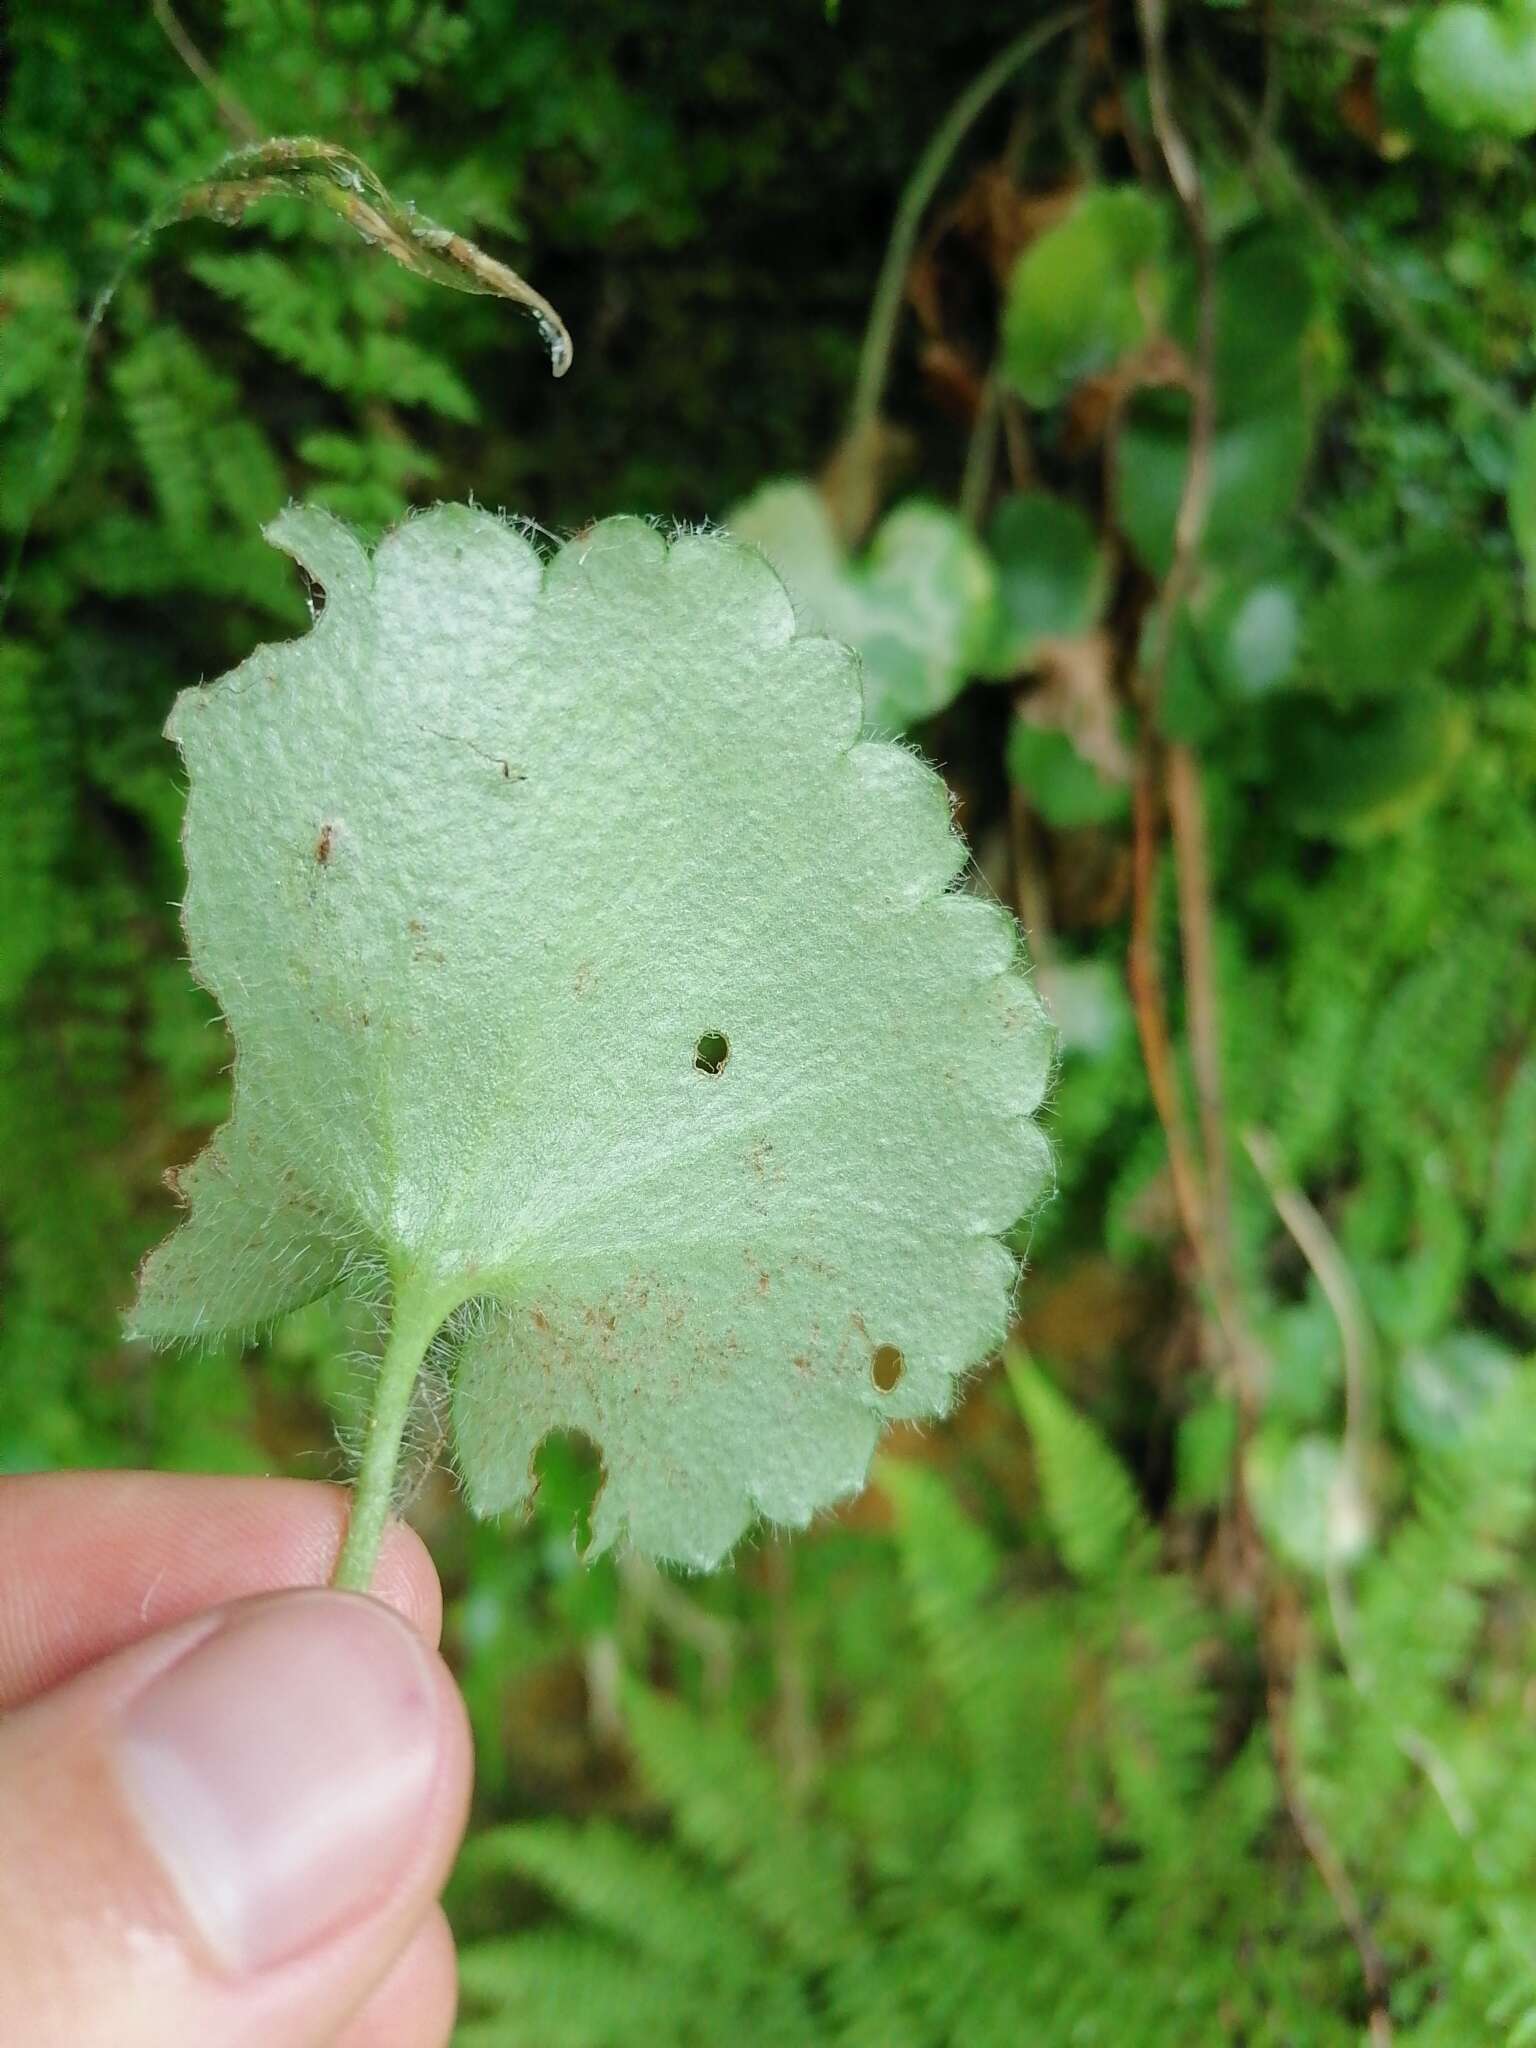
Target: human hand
column 226, row 1806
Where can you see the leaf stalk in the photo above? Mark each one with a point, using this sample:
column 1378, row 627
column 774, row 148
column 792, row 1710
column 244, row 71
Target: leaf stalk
column 417, row 1317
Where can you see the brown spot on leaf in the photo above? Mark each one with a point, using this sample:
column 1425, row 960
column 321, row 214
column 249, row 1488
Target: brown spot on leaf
column 324, row 844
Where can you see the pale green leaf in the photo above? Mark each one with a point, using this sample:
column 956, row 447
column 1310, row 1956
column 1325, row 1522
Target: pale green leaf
column 592, row 975
column 1307, row 1500
column 1476, row 67
column 1440, row 1391
column 917, row 605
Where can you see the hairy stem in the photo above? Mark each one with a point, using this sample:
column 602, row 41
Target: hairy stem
column 415, row 1322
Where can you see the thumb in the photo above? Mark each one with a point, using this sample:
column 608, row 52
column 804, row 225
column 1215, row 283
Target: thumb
column 229, row 1833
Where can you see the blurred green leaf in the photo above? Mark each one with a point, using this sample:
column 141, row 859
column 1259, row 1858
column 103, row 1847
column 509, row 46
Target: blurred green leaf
column 1522, row 505
column 1051, row 576
column 918, row 605
column 1350, row 775
column 1306, row 1500
column 1064, row 788
column 1085, row 293
column 1251, row 634
column 1266, row 299
column 1439, row 1391
column 1372, row 636
column 1203, row 1456
column 1257, row 465
column 1476, row 67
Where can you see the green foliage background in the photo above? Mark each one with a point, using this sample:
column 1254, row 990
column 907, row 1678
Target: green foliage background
column 1174, row 1691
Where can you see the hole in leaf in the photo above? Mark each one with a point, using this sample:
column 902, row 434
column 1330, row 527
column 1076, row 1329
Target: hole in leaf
column 886, row 1368
column 711, row 1053
column 568, row 1475
column 314, row 593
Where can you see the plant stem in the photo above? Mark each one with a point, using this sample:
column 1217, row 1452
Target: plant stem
column 879, row 335
column 415, row 1322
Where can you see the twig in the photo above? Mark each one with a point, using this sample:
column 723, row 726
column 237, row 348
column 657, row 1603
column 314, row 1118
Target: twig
column 794, row 1726
column 295, row 167
column 1316, row 1244
column 1317, row 1842
column 1327, row 1262
column 1213, row 1239
column 1147, row 1000
column 1021, row 466
column 981, row 454
column 1031, row 898
column 885, row 306
column 1186, row 810
column 1329, row 1267
column 1195, row 498
column 232, row 111
column 1199, row 1192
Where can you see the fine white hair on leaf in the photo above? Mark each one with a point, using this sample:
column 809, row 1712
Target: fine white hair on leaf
column 598, row 980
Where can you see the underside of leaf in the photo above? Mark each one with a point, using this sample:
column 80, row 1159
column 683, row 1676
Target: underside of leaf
column 592, row 972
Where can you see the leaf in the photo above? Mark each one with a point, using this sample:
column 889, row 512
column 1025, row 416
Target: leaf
column 1306, row 1500
column 1441, row 1391
column 1266, row 300
column 1084, row 293
column 1373, row 636
column 1354, row 775
column 593, row 976
column 1477, row 68
column 918, row 606
column 324, row 174
column 1251, row 633
column 1090, row 1502
column 1257, row 465
column 1051, row 577
column 1065, row 788
column 1522, row 506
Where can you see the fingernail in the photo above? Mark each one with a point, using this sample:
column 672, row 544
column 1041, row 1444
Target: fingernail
column 280, row 1771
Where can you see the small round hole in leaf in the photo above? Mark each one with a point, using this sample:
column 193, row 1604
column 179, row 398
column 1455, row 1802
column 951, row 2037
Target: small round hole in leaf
column 886, row 1368
column 711, row 1053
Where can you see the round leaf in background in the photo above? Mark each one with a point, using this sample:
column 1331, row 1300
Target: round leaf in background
column 1476, row 67
column 918, row 605
column 1257, row 465
column 1085, row 293
column 1051, row 577
column 1065, row 788
column 1372, row 636
column 1440, row 1390
column 1354, row 775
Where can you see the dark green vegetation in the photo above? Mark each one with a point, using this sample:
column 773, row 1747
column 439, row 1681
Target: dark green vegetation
column 1177, row 1690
